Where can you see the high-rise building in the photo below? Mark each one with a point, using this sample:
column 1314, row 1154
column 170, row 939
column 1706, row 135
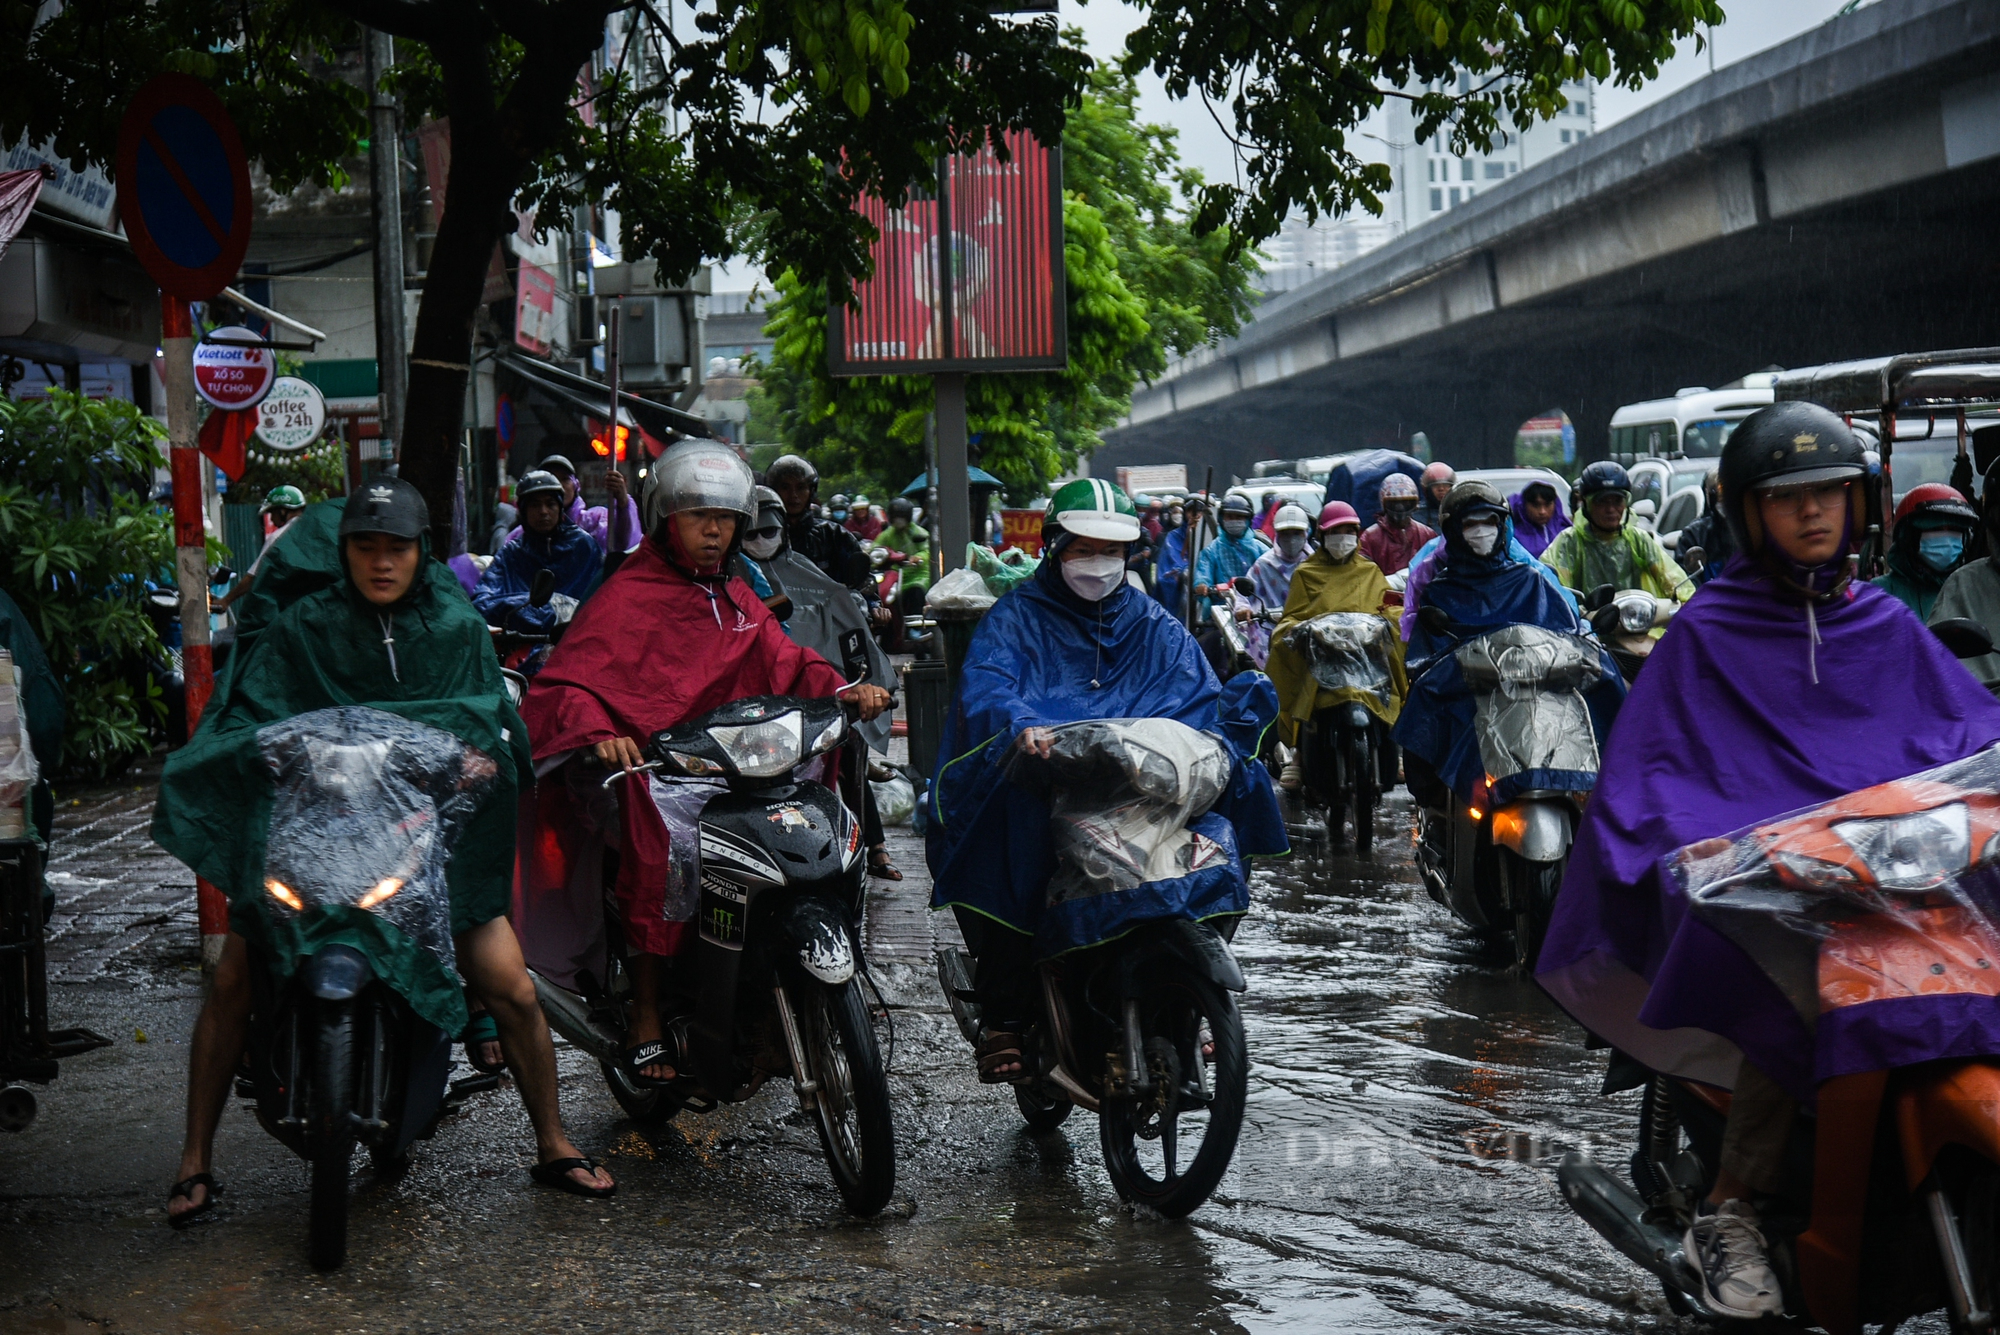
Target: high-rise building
column 1429, row 180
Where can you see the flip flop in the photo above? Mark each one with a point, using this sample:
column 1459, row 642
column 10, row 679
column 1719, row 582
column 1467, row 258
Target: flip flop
column 885, row 869
column 555, row 1173
column 655, row 1053
column 479, row 1031
column 185, row 1187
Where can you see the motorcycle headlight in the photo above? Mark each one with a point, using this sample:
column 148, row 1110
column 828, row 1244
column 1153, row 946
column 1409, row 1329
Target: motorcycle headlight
column 285, row 895
column 383, row 889
column 1635, row 615
column 1919, row 851
column 763, row 750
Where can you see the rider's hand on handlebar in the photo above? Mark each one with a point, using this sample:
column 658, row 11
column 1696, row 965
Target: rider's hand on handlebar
column 618, row 753
column 1036, row 741
column 880, row 616
column 1246, row 614
column 869, row 701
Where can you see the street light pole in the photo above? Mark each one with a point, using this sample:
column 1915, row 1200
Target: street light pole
column 386, row 186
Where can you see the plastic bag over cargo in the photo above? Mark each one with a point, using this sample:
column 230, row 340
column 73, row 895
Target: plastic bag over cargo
column 1530, row 714
column 1890, row 894
column 366, row 810
column 1001, row 570
column 1347, row 651
column 962, row 592
column 1121, row 795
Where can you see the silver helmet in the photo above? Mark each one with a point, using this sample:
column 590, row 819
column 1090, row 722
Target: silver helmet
column 699, row 475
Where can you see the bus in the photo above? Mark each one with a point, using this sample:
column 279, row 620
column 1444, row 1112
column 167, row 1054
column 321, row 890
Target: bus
column 1693, row 424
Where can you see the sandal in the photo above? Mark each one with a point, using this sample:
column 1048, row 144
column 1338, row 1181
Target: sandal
column 555, row 1173
column 655, row 1053
column 883, row 868
column 186, row 1187
column 479, row 1031
column 1000, row 1048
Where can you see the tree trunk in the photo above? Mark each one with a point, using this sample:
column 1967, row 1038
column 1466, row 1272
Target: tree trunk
column 496, row 137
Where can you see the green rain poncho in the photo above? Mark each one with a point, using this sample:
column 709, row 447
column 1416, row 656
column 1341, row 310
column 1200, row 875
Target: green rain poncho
column 313, row 642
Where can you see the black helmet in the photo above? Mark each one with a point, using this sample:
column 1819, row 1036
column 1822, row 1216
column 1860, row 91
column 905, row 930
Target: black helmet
column 1787, row 443
column 1467, row 499
column 790, row 466
column 901, row 510
column 1602, row 476
column 537, row 482
column 387, row 505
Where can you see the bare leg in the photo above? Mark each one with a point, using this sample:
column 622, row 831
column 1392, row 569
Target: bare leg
column 644, row 1024
column 214, row 1053
column 490, row 957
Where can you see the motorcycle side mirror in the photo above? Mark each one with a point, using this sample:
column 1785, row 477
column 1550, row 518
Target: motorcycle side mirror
column 1434, row 620
column 1243, row 585
column 1604, row 620
column 1965, row 637
column 1600, row 596
column 222, row 575
column 542, row 588
column 1694, row 558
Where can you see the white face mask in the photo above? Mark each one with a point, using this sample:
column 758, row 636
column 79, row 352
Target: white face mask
column 1340, row 546
column 1291, row 544
column 1094, row 578
column 762, row 549
column 1235, row 528
column 1481, row 538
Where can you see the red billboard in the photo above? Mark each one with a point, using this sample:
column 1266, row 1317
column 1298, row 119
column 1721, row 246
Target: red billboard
column 969, row 279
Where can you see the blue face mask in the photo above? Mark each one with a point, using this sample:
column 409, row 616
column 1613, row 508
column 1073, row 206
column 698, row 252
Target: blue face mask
column 1941, row 550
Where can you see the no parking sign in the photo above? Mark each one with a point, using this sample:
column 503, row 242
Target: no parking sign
column 183, row 187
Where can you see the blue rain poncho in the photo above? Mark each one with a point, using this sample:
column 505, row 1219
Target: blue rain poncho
column 503, row 592
column 1032, row 663
column 1486, row 593
column 1358, row 480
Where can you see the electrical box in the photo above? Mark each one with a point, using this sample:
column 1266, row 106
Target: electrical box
column 653, row 338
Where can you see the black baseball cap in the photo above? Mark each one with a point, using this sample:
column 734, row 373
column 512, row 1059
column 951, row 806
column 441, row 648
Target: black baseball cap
column 387, row 505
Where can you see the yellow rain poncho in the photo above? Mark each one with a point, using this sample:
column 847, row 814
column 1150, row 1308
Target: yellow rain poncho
column 1321, row 585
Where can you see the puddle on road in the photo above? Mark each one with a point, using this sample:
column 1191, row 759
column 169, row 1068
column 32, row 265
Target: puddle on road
column 1410, row 1096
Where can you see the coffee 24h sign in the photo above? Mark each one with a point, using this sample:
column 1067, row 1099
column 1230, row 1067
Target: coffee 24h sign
column 292, row 415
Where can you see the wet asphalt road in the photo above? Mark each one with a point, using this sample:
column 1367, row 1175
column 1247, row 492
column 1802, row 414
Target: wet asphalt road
column 1409, row 1098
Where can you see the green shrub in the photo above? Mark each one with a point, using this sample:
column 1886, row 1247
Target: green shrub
column 78, row 540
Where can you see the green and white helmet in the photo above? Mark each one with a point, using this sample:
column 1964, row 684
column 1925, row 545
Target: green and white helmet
column 1090, row 507
column 283, row 498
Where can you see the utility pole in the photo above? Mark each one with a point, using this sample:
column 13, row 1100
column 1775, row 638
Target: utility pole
column 385, row 181
column 953, row 527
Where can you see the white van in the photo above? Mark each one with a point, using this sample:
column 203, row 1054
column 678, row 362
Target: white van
column 1692, row 424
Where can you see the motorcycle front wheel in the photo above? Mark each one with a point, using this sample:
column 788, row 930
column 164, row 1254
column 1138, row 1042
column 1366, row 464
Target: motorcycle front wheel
column 851, row 1092
column 1190, row 1093
column 1361, row 775
column 1531, row 893
column 330, row 1125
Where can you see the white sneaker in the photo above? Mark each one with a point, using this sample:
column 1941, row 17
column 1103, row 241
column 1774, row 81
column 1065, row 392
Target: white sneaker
column 1726, row 1252
column 1289, row 777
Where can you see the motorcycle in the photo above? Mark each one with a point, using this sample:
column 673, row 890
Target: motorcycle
column 1891, row 1203
column 1497, row 860
column 1346, row 755
column 368, row 805
column 1624, row 620
column 1142, row 1029
column 773, row 983
column 524, row 652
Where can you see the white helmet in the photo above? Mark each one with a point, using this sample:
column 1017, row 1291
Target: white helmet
column 699, row 475
column 1290, row 517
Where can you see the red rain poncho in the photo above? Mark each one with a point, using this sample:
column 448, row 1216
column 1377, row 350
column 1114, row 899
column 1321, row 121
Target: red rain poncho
column 650, row 650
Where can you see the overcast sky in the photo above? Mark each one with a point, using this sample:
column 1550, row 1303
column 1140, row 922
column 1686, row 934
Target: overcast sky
column 1753, row 26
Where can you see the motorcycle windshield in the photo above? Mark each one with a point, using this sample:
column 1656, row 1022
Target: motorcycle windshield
column 1889, row 894
column 367, row 808
column 1348, row 651
column 1121, row 794
column 1529, row 709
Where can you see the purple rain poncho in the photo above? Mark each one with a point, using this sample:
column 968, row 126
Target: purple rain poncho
column 1536, row 537
column 1725, row 729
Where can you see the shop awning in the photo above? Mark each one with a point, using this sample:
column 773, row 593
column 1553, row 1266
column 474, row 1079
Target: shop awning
column 588, row 397
column 18, row 193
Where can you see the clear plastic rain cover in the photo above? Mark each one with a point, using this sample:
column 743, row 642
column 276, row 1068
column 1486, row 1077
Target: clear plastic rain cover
column 1121, row 794
column 1892, row 891
column 1347, row 651
column 1527, row 685
column 368, row 807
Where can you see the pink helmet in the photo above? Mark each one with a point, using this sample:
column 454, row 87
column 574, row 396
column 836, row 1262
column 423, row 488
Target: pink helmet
column 1336, row 513
column 1398, row 486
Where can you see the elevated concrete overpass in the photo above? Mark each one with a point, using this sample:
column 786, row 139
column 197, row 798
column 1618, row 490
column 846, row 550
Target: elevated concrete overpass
column 1834, row 197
